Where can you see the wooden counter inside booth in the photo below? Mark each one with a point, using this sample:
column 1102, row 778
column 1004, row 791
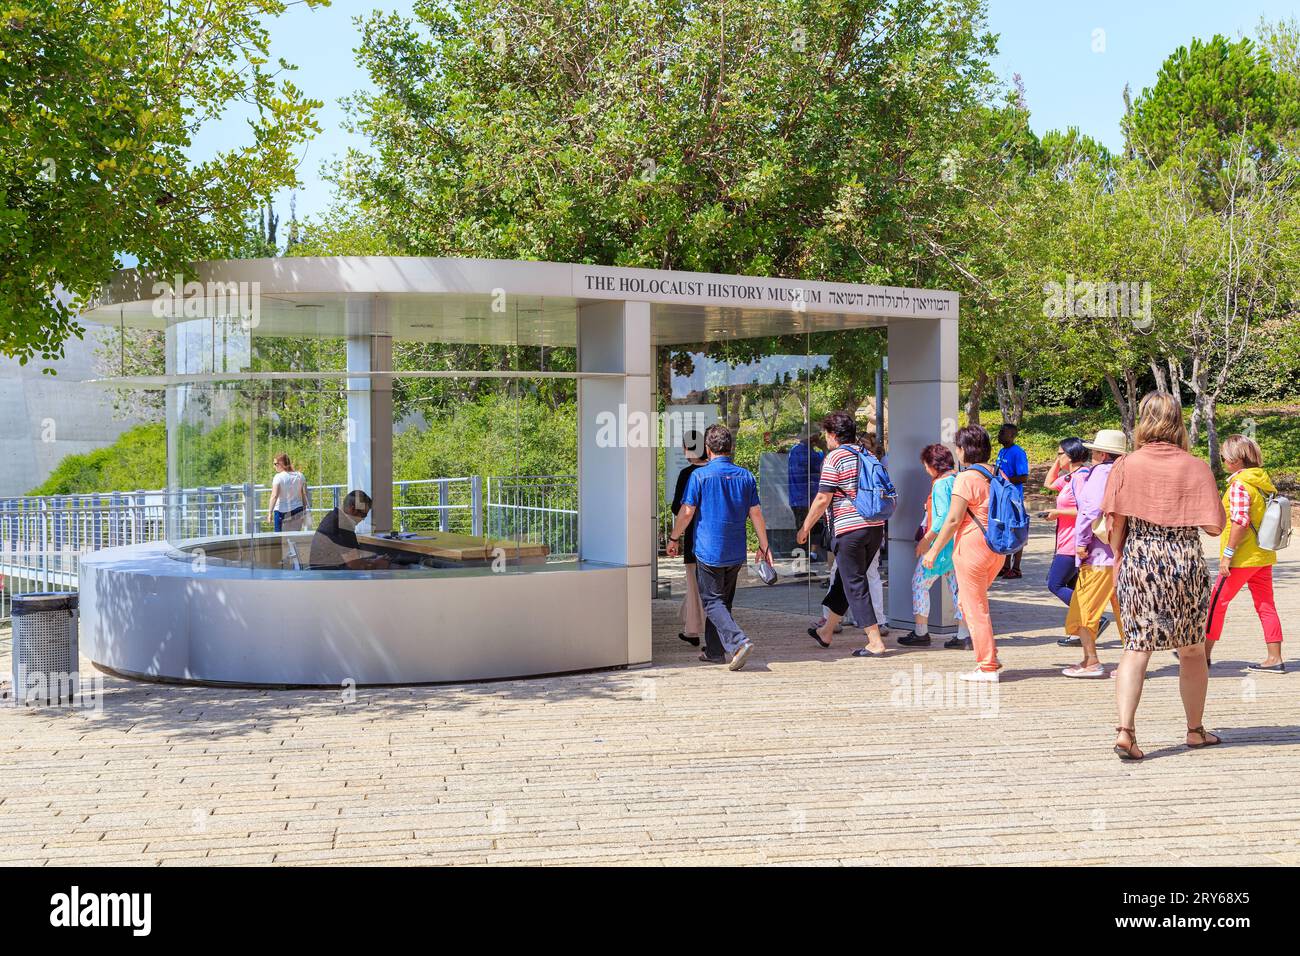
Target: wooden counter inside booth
column 446, row 549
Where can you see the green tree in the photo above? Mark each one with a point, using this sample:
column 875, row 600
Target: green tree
column 767, row 137
column 1221, row 126
column 1207, row 98
column 844, row 141
column 99, row 101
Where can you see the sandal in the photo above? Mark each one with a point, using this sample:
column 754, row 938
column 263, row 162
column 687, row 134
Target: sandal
column 1130, row 752
column 1205, row 738
column 812, row 632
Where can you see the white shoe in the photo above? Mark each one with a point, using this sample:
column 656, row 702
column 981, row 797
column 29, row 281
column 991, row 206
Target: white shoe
column 981, row 677
column 1076, row 671
column 738, row 658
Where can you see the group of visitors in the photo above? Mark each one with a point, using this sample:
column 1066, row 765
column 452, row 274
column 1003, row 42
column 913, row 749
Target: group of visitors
column 713, row 501
column 1127, row 539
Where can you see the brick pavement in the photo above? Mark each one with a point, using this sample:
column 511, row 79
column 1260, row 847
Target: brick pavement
column 806, row 756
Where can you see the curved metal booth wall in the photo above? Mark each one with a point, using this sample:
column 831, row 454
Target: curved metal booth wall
column 147, row 614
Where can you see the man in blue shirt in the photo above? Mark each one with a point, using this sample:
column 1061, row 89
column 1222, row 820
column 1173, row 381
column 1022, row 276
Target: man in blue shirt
column 804, row 466
column 724, row 495
column 1013, row 464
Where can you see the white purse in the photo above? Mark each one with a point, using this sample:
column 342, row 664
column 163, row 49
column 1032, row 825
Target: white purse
column 1101, row 530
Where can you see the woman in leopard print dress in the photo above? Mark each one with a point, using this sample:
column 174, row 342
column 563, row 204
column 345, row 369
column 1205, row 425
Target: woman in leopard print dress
column 1163, row 587
column 1157, row 501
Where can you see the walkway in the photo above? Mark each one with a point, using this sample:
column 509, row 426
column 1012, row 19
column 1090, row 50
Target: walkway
column 806, row 756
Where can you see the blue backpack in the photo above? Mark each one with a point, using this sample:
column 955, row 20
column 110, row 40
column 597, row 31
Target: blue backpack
column 876, row 497
column 1008, row 528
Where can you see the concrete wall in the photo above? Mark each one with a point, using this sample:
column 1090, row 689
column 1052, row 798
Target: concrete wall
column 922, row 410
column 45, row 417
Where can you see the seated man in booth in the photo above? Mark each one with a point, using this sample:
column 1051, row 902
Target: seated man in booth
column 334, row 546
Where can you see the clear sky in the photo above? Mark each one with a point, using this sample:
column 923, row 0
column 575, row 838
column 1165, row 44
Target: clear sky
column 1073, row 75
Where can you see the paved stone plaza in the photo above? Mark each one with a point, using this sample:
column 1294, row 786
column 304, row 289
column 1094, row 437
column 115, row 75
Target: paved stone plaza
column 806, row 756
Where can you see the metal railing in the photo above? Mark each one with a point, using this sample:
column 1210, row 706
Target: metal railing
column 537, row 508
column 42, row 538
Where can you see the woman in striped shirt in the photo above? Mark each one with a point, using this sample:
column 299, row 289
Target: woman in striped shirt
column 855, row 540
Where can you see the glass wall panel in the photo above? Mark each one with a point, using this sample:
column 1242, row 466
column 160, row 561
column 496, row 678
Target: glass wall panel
column 210, row 456
column 759, row 389
column 483, row 425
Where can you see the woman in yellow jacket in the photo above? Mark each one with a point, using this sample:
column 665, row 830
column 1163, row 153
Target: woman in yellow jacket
column 1242, row 562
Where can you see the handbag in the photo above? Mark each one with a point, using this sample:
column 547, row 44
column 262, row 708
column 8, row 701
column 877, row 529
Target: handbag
column 1101, row 530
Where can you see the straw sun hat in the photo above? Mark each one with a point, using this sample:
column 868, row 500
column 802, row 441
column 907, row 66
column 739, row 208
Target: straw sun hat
column 1109, row 440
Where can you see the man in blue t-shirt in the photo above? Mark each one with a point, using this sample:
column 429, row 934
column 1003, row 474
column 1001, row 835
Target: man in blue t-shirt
column 1013, row 464
column 804, row 468
column 725, row 496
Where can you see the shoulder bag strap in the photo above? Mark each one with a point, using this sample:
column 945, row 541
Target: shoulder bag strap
column 989, row 478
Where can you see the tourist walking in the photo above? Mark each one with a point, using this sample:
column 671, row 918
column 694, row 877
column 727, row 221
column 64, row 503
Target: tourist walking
column 1242, row 560
column 723, row 495
column 290, row 497
column 855, row 538
column 1069, row 467
column 692, row 611
column 1156, row 500
column 1094, row 588
column 976, row 564
column 1012, row 464
column 942, row 469
column 803, row 474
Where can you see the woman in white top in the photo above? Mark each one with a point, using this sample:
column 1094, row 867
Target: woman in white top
column 290, row 499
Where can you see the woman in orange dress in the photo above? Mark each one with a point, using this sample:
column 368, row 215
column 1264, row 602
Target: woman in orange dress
column 976, row 565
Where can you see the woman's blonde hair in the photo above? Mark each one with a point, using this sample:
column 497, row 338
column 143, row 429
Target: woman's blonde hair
column 1242, row 449
column 1160, row 418
column 283, row 459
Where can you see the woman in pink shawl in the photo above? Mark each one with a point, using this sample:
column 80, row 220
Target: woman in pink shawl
column 1156, row 500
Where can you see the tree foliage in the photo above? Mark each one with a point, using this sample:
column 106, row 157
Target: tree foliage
column 849, row 140
column 99, row 103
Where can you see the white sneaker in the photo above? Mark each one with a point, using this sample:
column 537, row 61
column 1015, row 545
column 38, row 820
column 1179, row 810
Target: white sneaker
column 738, row 658
column 983, row 677
column 1076, row 671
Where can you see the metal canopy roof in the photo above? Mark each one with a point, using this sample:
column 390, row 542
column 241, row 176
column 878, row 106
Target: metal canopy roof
column 500, row 302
